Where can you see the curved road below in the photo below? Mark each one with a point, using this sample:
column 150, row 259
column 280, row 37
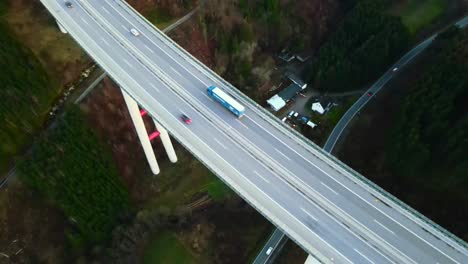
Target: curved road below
column 377, row 86
column 277, row 237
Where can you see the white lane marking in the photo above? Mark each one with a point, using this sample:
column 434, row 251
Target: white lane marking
column 148, row 48
column 349, row 229
column 263, row 178
column 353, row 192
column 311, row 216
column 279, row 151
column 219, row 142
column 105, row 10
column 242, row 124
column 174, row 59
column 105, row 41
column 84, row 21
column 195, row 75
column 178, row 73
column 128, row 63
column 329, row 188
column 261, row 191
column 207, row 96
column 154, row 86
column 386, row 228
column 306, row 159
column 364, row 256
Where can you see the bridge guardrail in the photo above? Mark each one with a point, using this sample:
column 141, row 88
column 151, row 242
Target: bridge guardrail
column 303, row 140
column 255, row 151
column 240, row 191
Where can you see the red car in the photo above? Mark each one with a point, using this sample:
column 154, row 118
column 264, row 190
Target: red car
column 369, row 94
column 187, row 120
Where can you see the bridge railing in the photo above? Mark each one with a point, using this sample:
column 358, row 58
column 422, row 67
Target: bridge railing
column 302, row 139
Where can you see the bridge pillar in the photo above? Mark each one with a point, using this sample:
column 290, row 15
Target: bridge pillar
column 64, row 31
column 134, row 111
column 166, row 140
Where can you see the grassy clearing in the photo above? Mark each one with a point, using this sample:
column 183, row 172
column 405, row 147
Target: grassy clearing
column 160, row 18
column 38, row 31
column 337, row 112
column 216, row 189
column 27, row 92
column 180, row 183
column 326, row 122
column 165, row 249
column 416, row 14
column 334, row 115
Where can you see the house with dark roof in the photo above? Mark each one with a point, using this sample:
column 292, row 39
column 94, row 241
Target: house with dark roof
column 295, row 79
column 279, row 100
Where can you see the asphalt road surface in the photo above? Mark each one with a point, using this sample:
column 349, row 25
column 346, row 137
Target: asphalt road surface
column 274, row 243
column 277, row 235
column 317, row 202
column 376, row 87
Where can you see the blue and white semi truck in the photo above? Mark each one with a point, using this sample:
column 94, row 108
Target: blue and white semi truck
column 226, row 100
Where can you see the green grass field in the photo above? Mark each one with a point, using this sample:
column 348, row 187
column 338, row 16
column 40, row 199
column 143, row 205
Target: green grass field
column 180, row 183
column 166, row 249
column 160, row 18
column 216, row 189
column 416, row 14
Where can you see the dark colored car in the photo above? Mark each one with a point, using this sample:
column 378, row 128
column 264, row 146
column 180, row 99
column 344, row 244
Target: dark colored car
column 68, row 4
column 369, row 94
column 187, row 120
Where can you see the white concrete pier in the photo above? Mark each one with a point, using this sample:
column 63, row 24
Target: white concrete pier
column 62, row 29
column 166, row 140
column 134, row 111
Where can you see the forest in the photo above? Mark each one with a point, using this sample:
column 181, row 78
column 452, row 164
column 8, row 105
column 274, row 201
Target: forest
column 26, row 92
column 3, row 6
column 366, row 42
column 71, row 168
column 248, row 35
column 428, row 144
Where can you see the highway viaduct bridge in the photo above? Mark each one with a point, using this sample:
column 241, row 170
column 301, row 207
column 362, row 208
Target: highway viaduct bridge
column 330, row 210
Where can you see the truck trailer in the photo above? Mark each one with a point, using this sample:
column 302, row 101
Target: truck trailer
column 226, row 100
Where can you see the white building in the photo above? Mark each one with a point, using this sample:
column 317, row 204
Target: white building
column 276, row 102
column 317, row 107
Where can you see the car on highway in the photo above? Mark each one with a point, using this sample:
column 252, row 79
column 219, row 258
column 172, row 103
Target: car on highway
column 369, row 94
column 187, row 120
column 395, row 69
column 68, row 4
column 134, row 32
column 269, row 250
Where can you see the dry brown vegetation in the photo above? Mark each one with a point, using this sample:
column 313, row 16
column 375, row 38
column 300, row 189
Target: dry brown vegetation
column 31, row 229
column 211, row 232
column 37, row 30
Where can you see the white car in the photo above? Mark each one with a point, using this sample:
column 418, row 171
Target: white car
column 134, row 32
column 291, row 113
column 395, row 69
column 269, row 250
